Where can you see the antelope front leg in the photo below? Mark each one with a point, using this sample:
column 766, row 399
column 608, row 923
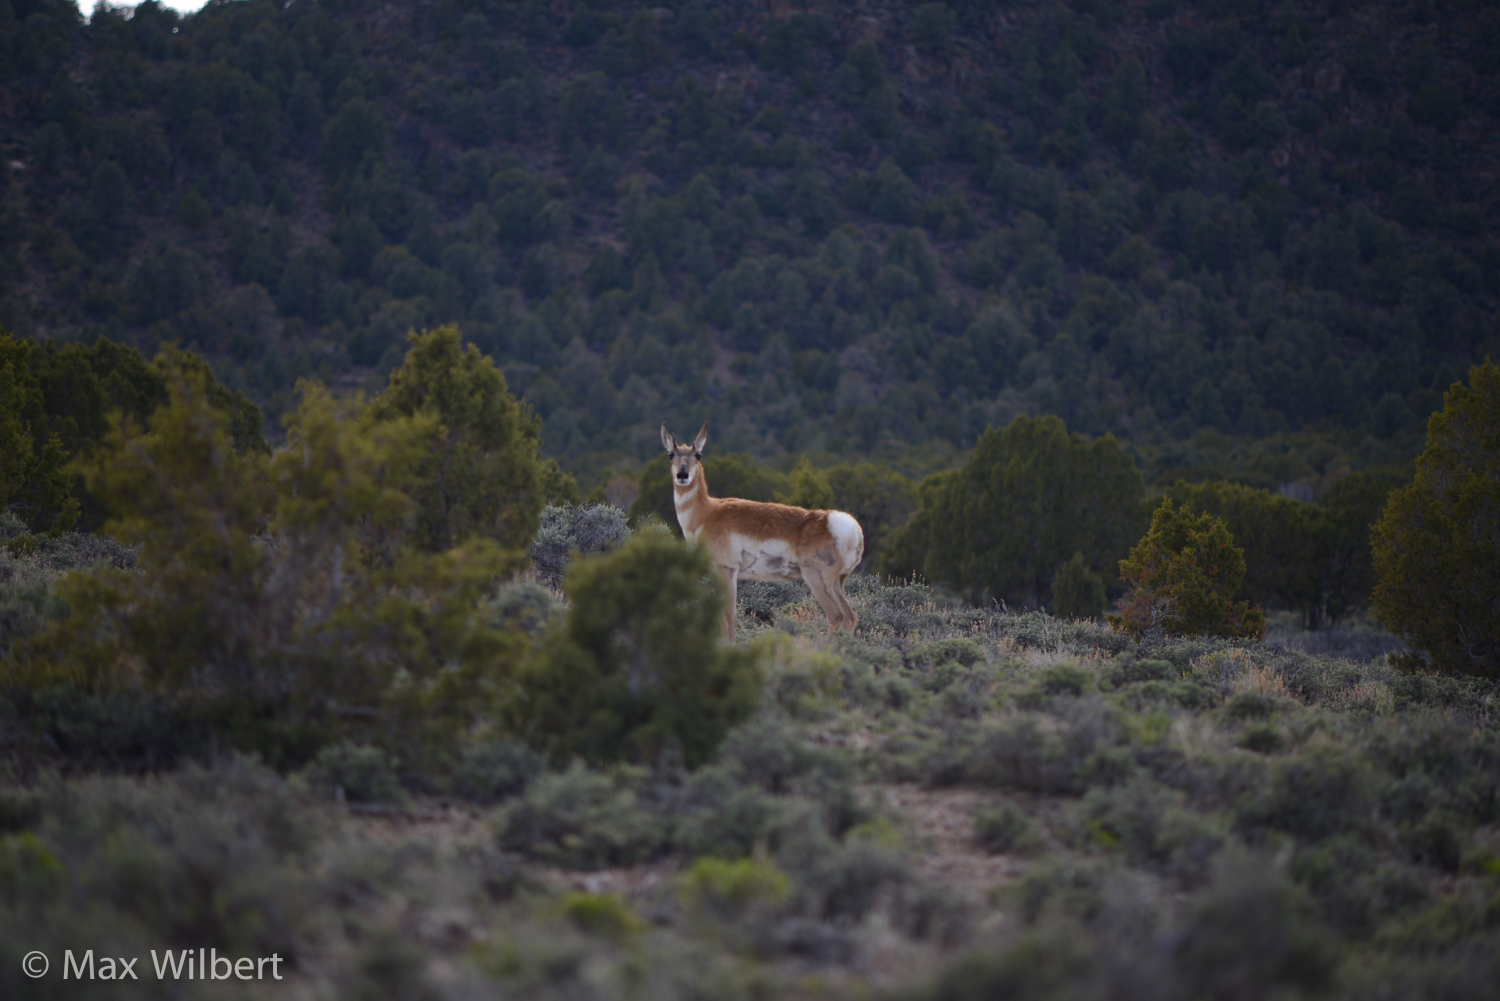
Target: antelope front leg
column 731, row 592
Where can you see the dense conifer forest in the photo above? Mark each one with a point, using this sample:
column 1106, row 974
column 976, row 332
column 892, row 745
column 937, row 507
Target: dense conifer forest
column 1248, row 239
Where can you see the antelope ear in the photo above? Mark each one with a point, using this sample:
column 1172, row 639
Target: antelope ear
column 702, row 438
column 667, row 441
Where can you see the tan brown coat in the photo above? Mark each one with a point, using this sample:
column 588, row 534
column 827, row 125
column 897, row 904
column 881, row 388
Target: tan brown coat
column 763, row 541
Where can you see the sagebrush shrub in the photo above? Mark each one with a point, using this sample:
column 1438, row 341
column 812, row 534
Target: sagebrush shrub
column 568, row 529
column 582, row 819
column 358, row 773
column 1006, row 828
column 493, row 770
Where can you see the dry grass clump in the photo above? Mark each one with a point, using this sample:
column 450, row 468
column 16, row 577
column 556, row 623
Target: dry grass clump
column 1262, row 679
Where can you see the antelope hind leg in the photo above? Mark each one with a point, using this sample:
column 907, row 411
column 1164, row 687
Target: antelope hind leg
column 851, row 620
column 828, row 596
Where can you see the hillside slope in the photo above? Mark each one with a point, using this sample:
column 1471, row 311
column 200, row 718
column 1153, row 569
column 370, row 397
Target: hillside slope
column 821, row 227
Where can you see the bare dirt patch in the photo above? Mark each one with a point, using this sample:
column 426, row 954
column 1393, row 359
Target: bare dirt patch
column 939, row 821
column 942, row 823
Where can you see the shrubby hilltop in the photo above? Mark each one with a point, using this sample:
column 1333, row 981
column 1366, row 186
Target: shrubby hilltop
column 821, row 227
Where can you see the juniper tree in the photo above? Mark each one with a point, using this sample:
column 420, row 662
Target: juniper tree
column 638, row 668
column 482, row 474
column 1027, row 499
column 1183, row 575
column 1437, row 547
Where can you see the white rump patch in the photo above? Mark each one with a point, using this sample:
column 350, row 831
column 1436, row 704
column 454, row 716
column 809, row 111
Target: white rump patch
column 848, row 538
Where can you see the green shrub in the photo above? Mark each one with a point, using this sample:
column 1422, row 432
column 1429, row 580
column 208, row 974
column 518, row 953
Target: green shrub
column 529, row 608
column 1065, row 679
column 638, row 667
column 1006, row 829
column 1312, row 795
column 1019, row 754
column 720, row 814
column 495, row 770
column 1435, row 840
column 1060, row 885
column 1262, row 739
column 1051, row 963
column 582, row 819
column 1247, row 937
column 727, row 891
column 1188, row 843
column 19, row 810
column 602, row 914
column 765, row 599
column 356, row 773
column 1128, row 817
column 956, row 649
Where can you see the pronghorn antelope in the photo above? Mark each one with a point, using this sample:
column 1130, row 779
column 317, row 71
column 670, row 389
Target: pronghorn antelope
column 761, row 541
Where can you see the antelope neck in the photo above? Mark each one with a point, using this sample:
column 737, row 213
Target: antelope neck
column 690, row 501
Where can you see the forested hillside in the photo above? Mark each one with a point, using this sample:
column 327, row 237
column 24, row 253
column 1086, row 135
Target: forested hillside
column 1246, row 237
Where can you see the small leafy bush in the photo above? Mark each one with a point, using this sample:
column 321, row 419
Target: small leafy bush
column 1062, row 885
column 601, row 914
column 765, row 599
column 495, row 770
column 1019, row 754
column 1312, row 795
column 1006, row 829
column 1247, row 937
column 727, row 891
column 358, row 773
column 1065, row 679
column 720, row 814
column 581, row 819
column 1262, row 739
column 527, row 607
column 955, row 649
column 1128, row 817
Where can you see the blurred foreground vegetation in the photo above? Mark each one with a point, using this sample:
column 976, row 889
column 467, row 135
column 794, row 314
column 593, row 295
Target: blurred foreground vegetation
column 1177, row 819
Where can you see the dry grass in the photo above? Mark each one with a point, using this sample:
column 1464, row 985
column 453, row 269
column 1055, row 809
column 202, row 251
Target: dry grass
column 1263, row 680
column 1366, row 696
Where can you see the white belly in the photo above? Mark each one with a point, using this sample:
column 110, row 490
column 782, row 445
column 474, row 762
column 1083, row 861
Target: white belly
column 765, row 559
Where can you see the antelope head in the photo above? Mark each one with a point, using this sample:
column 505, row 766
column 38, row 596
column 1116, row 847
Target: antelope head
column 685, row 457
